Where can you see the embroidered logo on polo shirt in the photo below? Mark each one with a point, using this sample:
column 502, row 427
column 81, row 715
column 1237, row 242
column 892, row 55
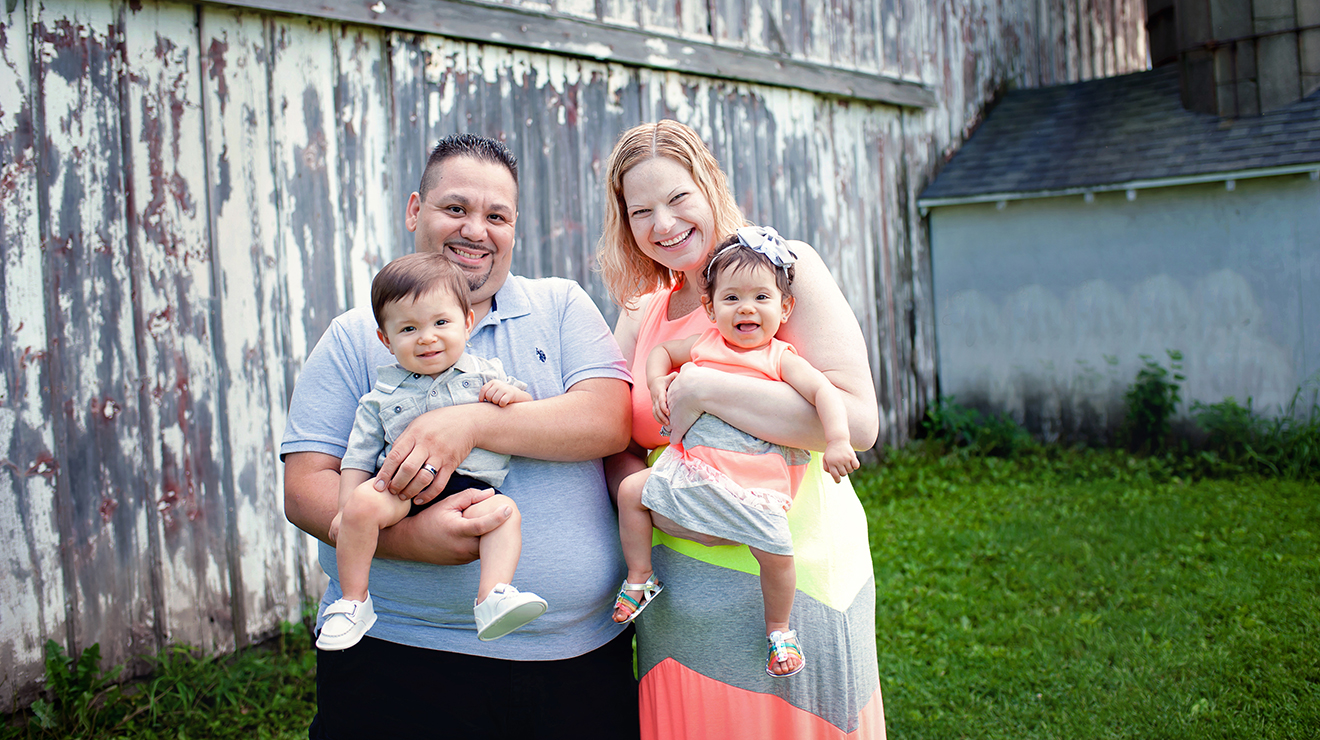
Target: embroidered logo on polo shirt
column 540, row 354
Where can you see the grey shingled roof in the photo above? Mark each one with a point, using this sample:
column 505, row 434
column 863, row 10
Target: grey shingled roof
column 1116, row 131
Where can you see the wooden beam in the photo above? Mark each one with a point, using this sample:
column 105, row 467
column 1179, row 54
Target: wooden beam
column 539, row 31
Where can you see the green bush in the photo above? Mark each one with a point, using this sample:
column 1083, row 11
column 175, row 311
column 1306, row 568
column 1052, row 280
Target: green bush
column 1151, row 401
column 971, row 432
column 265, row 691
column 1240, row 440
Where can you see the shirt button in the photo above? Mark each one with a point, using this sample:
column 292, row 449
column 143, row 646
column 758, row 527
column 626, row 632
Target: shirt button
column 434, row 392
column 397, row 409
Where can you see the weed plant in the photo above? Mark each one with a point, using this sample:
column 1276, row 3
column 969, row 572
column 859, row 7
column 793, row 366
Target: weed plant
column 1092, row 594
column 268, row 691
column 1151, row 401
column 966, row 431
column 1239, row 440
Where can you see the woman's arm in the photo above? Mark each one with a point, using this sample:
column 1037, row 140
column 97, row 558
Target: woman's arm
column 826, row 334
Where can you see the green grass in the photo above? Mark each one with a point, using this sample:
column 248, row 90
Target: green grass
column 1055, row 594
column 267, row 691
column 1093, row 595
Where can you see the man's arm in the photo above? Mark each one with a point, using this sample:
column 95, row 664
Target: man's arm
column 589, row 421
column 439, row 535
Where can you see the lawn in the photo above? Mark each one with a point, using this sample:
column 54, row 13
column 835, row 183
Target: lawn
column 1093, row 595
column 1059, row 595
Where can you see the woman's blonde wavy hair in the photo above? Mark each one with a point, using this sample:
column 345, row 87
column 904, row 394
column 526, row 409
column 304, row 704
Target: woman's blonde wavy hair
column 628, row 273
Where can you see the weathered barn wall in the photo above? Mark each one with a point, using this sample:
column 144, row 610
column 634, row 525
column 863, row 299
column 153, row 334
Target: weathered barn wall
column 1046, row 305
column 190, row 192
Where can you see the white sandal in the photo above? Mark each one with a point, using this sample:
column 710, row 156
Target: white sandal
column 650, row 590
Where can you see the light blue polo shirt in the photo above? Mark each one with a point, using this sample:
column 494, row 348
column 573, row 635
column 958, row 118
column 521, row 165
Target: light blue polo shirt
column 548, row 334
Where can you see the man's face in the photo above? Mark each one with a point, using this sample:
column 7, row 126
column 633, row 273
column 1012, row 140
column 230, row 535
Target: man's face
column 468, row 216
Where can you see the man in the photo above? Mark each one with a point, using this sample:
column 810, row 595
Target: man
column 421, row 671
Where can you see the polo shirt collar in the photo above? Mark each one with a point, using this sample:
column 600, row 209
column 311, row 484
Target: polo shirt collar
column 510, row 302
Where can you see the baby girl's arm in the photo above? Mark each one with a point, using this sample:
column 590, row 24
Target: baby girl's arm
column 502, row 394
column 839, row 457
column 660, row 366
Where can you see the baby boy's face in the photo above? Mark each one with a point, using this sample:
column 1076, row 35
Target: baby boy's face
column 427, row 335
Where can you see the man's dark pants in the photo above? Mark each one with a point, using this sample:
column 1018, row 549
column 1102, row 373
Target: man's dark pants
column 379, row 689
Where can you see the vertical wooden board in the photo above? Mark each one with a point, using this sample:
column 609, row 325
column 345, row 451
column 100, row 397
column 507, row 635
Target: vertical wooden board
column 99, row 467
column 32, row 603
column 366, row 162
column 1058, row 41
column 729, row 22
column 868, row 37
column 617, row 12
column 689, row 20
column 181, row 416
column 847, row 21
column 817, row 31
column 601, row 121
column 1100, row 39
column 576, row 8
column 859, row 190
column 306, row 183
column 408, row 127
column 560, row 238
column 917, row 163
column 898, row 287
column 278, row 562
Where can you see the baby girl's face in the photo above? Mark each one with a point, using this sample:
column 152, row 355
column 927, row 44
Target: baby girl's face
column 748, row 307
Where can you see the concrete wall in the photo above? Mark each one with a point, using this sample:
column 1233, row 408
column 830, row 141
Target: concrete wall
column 1043, row 307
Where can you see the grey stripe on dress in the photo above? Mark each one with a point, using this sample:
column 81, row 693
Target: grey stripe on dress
column 721, row 634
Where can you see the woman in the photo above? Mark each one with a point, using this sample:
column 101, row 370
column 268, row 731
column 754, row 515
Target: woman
column 698, row 656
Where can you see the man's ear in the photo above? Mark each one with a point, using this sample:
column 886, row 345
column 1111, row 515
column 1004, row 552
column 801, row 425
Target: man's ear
column 384, row 340
column 710, row 307
column 414, row 208
column 789, row 303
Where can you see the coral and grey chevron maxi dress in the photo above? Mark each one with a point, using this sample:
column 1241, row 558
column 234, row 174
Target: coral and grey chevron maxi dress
column 701, row 646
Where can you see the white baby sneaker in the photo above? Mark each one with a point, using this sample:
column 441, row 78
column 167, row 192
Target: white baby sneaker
column 346, row 621
column 505, row 610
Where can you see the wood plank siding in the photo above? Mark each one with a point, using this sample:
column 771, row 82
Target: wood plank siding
column 190, row 192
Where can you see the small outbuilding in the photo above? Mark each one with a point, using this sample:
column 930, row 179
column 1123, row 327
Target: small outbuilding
column 1086, row 225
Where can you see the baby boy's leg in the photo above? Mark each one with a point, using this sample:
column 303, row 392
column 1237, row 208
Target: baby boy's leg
column 501, row 547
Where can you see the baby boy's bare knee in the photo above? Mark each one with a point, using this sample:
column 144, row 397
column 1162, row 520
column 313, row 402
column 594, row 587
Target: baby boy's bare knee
column 495, row 503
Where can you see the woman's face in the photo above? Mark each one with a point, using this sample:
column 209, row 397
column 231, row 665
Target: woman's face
column 670, row 218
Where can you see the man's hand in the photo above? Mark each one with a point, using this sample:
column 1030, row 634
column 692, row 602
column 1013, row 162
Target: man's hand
column 432, row 447
column 443, row 534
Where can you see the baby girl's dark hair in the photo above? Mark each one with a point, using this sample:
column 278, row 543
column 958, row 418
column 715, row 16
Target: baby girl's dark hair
column 732, row 255
column 414, row 275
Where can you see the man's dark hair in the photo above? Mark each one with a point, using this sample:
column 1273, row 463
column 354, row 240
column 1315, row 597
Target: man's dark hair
column 414, row 275
column 733, row 255
column 466, row 145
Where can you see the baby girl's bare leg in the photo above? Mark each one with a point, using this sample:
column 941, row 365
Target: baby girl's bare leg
column 634, row 532
column 778, row 584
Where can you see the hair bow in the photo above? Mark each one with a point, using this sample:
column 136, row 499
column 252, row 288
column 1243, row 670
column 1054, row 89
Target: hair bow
column 767, row 241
